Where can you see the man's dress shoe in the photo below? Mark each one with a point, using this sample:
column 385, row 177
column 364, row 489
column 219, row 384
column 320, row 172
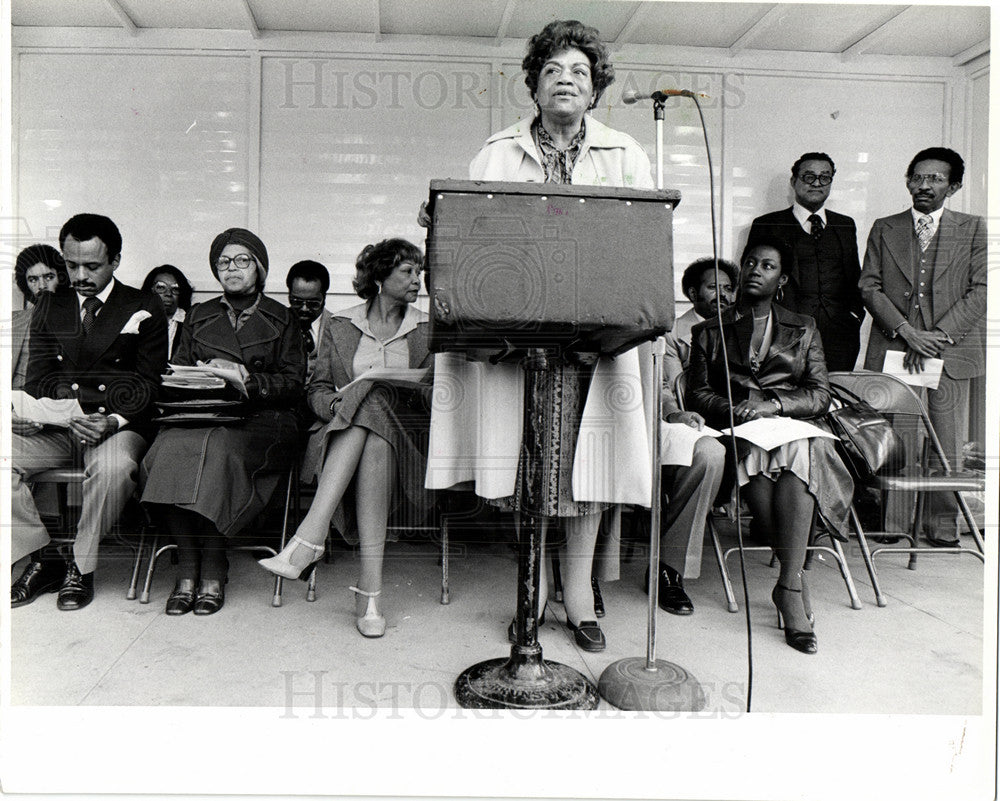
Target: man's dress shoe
column 671, row 595
column 37, row 578
column 76, row 591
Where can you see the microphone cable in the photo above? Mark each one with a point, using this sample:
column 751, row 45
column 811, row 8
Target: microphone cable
column 729, row 398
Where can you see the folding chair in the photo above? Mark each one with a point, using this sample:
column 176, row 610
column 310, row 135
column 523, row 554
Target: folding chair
column 891, row 396
column 722, row 557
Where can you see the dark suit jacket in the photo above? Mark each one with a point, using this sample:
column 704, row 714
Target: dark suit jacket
column 115, row 369
column 269, row 345
column 782, row 224
column 957, row 294
column 794, row 370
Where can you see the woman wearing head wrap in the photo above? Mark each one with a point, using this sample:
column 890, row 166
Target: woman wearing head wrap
column 204, row 485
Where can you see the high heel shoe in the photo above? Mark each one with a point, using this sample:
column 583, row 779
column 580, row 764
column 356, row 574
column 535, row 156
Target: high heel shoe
column 804, row 641
column 371, row 624
column 806, row 604
column 512, row 628
column 280, row 564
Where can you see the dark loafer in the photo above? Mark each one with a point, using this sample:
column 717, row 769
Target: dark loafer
column 598, row 598
column 210, row 598
column 181, row 600
column 76, row 591
column 588, row 635
column 37, row 578
column 671, row 596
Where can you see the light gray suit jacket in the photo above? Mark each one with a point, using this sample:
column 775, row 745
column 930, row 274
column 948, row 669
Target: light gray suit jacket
column 957, row 294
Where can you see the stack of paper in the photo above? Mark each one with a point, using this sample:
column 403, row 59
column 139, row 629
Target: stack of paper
column 47, row 411
column 192, row 378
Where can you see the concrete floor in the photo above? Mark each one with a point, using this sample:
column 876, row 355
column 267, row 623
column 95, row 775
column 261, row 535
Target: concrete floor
column 923, row 653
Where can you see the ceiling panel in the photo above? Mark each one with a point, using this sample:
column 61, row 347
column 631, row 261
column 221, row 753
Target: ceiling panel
column 60, row 13
column 934, row 31
column 442, row 17
column 338, row 16
column 226, row 15
column 530, row 16
column 824, row 28
column 695, row 24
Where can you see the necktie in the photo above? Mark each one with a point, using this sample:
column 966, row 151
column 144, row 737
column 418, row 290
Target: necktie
column 924, row 233
column 308, row 342
column 816, row 223
column 90, row 308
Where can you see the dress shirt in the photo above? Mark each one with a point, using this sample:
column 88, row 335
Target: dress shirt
column 934, row 215
column 802, row 214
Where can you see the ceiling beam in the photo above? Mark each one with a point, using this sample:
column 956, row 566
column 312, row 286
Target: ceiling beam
column 505, row 20
column 630, row 27
column 127, row 22
column 763, row 23
column 977, row 50
column 873, row 37
column 377, row 14
column 251, row 20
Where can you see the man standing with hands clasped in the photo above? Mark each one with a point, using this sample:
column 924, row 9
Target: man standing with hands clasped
column 105, row 345
column 924, row 282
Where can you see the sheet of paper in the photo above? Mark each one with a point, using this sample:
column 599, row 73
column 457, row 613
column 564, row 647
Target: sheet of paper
column 47, row 411
column 929, row 377
column 772, row 432
column 677, row 441
column 404, row 375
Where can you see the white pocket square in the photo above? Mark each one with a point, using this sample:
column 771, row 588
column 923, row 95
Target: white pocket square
column 132, row 326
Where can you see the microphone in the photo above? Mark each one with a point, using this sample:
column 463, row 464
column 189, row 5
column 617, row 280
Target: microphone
column 659, row 95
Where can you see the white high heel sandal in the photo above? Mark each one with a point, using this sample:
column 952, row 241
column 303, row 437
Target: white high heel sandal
column 280, row 565
column 372, row 624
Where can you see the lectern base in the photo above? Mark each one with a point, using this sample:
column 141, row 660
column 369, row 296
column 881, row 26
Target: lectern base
column 518, row 683
column 670, row 688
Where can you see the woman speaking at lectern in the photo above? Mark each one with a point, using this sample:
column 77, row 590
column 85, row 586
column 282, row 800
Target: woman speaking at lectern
column 476, row 421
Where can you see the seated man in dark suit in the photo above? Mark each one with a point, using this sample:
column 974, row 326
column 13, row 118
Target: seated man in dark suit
column 824, row 281
column 106, row 346
column 308, row 282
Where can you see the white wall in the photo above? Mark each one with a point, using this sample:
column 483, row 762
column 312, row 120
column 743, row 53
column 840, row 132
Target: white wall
column 324, row 143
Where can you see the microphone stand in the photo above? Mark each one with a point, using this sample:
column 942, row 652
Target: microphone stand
column 653, row 684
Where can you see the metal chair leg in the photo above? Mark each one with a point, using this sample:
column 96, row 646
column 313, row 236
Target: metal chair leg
column 445, row 587
column 140, row 549
column 845, row 572
column 727, row 584
column 154, row 554
column 866, row 556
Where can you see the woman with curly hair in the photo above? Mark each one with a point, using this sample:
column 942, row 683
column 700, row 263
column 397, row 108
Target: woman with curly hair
column 566, row 69
column 375, row 435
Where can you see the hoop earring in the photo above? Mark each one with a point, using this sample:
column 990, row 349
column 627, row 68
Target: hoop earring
column 779, row 294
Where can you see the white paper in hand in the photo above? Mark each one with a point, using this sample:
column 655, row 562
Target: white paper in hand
column 677, row 441
column 47, row 411
column 929, row 377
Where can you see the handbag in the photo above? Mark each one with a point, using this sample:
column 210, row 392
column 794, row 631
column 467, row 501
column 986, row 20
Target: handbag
column 867, row 442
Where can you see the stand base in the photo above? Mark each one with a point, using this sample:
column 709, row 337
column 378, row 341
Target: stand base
column 670, row 688
column 493, row 684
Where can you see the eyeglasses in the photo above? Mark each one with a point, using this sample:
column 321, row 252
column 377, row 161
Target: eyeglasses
column 811, row 178
column 311, row 305
column 240, row 262
column 933, row 178
column 161, row 288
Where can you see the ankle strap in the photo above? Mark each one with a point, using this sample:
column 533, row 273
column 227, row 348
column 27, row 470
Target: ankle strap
column 365, row 593
column 788, row 589
column 299, row 541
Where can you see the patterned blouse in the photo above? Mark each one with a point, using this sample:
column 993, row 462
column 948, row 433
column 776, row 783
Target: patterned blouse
column 558, row 164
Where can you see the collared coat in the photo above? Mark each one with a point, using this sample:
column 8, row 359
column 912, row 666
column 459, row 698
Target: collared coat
column 115, row 369
column 228, row 473
column 955, row 302
column 793, row 372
